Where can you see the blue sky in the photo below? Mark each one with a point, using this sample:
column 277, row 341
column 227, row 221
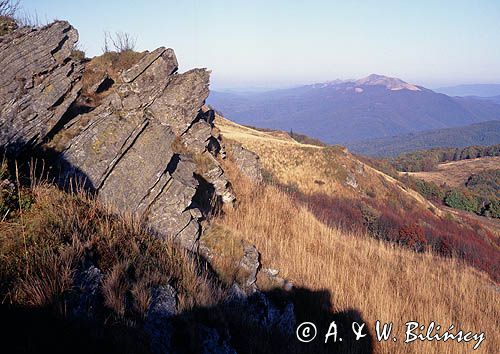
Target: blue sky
column 278, row 43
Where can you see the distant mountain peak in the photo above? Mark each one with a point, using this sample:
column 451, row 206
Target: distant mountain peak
column 390, row 83
column 355, row 110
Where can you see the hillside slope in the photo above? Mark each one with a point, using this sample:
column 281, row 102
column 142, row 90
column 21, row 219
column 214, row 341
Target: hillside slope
column 67, row 232
column 358, row 278
column 342, row 191
column 316, row 169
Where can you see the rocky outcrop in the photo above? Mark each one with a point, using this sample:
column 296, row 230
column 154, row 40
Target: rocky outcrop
column 125, row 151
column 247, row 162
column 249, row 265
column 147, row 146
column 38, row 82
column 143, row 149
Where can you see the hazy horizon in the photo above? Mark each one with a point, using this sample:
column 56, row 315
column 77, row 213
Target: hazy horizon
column 259, row 87
column 283, row 44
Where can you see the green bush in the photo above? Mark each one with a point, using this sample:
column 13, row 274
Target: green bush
column 429, row 190
column 459, row 200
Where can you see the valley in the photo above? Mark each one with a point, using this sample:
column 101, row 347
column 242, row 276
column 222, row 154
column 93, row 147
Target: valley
column 485, row 133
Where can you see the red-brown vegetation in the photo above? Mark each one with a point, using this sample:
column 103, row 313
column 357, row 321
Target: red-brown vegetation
column 414, row 228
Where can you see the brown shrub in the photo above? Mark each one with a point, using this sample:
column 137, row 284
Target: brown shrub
column 115, row 288
column 413, row 236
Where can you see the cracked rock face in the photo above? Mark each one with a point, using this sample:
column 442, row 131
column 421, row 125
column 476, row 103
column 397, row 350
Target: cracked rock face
column 38, row 82
column 125, row 148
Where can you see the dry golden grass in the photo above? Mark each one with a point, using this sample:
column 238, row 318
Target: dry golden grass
column 110, row 63
column 315, row 169
column 381, row 281
column 226, row 253
column 43, row 246
column 456, row 173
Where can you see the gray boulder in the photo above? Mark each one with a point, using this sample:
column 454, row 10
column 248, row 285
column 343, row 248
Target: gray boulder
column 249, row 267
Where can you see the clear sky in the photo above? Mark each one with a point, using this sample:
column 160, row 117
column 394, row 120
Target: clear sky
column 277, row 42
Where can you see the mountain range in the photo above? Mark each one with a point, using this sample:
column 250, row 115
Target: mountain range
column 347, row 111
column 483, row 134
column 480, row 90
column 495, row 99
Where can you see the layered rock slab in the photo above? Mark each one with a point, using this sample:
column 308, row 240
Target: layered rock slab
column 126, row 151
column 38, row 82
